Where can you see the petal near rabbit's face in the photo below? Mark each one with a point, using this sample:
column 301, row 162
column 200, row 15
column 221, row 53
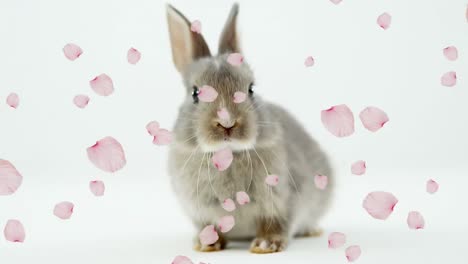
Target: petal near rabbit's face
column 222, row 122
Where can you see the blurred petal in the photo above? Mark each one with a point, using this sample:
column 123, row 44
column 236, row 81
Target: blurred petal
column 72, row 51
column 272, row 180
column 336, row 240
column 358, row 167
column 181, row 260
column 235, row 59
column 309, row 61
column 229, row 205
column 226, row 223
column 13, row 100
column 353, row 253
column 415, row 220
column 107, row 154
column 196, row 26
column 14, row 231
column 336, row 1
column 239, row 97
column 81, row 100
column 63, row 210
column 373, row 118
column 102, row 85
column 222, row 159
column 152, row 127
column 451, row 53
column 133, row 56
column 10, row 178
column 321, row 181
column 384, row 20
column 162, row 137
column 338, row 120
column 208, row 235
column 432, row 186
column 380, row 204
column 97, row 187
column 449, row 79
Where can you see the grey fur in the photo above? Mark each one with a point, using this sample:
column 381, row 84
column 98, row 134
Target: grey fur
column 268, row 141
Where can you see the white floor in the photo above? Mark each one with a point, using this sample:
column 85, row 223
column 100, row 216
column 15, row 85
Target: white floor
column 140, row 222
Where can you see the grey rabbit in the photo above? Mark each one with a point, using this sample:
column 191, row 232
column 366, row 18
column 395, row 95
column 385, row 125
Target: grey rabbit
column 265, row 139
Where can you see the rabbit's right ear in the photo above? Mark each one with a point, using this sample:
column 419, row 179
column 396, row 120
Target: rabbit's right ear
column 187, row 46
column 229, row 41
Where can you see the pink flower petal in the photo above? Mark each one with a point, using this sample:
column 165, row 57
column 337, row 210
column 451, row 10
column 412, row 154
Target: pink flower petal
column 449, row 79
column 229, row 205
column 152, row 127
column 358, row 167
column 97, row 187
column 72, row 51
column 415, row 220
column 309, row 62
column 14, row 231
column 451, row 53
column 208, row 235
column 102, row 85
column 384, row 21
column 338, row 120
column 242, row 198
column 133, row 56
column 10, row 178
column 353, row 253
column 336, row 240
column 196, row 26
column 207, row 94
column 64, row 210
column 181, row 260
column 226, row 223
column 222, row 159
column 432, row 186
column 162, row 137
column 239, row 97
column 321, row 181
column 235, row 59
column 13, row 100
column 336, row 1
column 380, row 204
column 107, row 154
column 272, row 180
column 223, row 114
column 373, row 118
column 81, row 100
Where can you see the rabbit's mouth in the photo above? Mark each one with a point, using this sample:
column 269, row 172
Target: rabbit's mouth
column 233, row 144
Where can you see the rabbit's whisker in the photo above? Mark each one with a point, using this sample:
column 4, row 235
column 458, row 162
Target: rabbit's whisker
column 209, row 175
column 198, row 182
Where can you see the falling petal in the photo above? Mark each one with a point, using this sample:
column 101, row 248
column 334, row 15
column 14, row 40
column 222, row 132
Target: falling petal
column 97, row 187
column 226, row 223
column 64, row 210
column 223, row 114
column 152, row 127
column 14, row 231
column 181, row 260
column 353, row 253
column 102, row 85
column 336, row 1
column 449, row 79
column 336, row 240
column 321, row 181
column 10, row 178
column 358, row 167
column 229, row 205
column 196, row 26
column 242, row 198
column 72, row 51
column 415, row 220
column 222, row 159
column 207, row 94
column 451, row 53
column 432, row 186
column 208, row 235
column 162, row 137
column 13, row 100
column 338, row 120
column 384, row 21
column 235, row 59
column 309, row 61
column 373, row 118
column 107, row 154
column 380, row 204
column 239, row 97
column 81, row 100
column 133, row 56
column 272, row 180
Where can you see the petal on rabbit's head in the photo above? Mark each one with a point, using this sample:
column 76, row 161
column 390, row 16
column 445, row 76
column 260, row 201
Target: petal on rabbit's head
column 235, row 59
column 239, row 97
column 196, row 26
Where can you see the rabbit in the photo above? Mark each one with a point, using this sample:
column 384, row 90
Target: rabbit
column 265, row 139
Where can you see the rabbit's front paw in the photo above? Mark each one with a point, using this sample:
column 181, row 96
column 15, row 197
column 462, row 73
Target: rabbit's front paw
column 270, row 244
column 217, row 246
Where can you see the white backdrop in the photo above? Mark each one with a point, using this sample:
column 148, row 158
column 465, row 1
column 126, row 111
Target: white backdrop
column 138, row 219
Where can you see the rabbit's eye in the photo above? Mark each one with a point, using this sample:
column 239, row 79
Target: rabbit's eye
column 195, row 93
column 251, row 91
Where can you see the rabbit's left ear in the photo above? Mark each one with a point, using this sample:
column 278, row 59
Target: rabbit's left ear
column 229, row 41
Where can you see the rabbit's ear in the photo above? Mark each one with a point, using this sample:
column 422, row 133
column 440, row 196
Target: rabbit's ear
column 187, row 46
column 229, row 41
